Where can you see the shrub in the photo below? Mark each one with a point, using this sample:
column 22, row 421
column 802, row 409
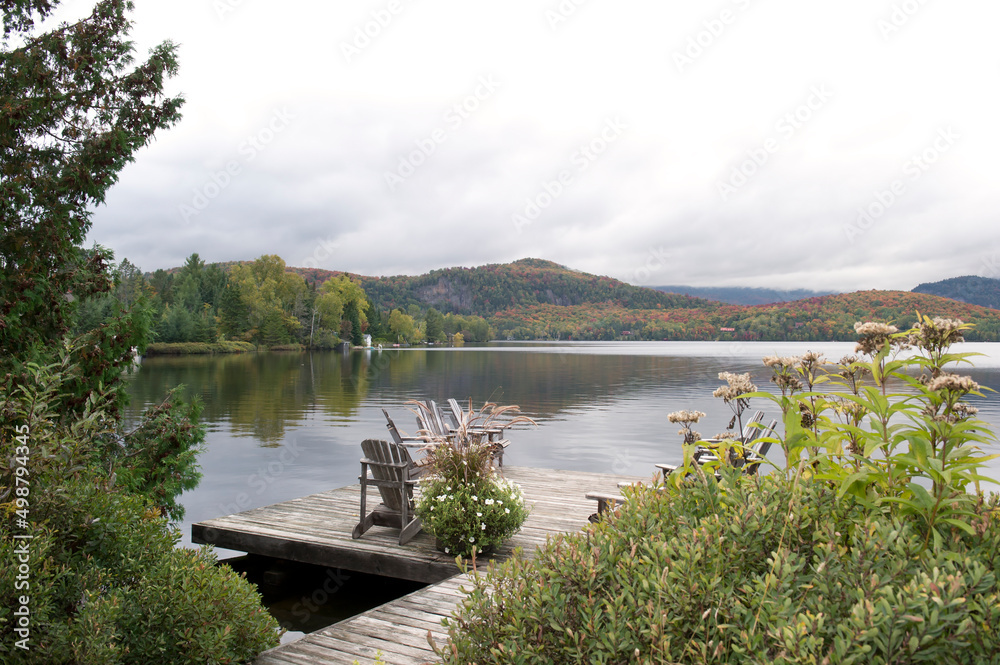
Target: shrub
column 875, row 544
column 894, row 431
column 767, row 570
column 105, row 580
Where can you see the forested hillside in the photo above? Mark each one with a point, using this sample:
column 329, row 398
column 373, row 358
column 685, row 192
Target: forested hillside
column 267, row 303
column 813, row 319
column 743, row 295
column 488, row 289
column 983, row 291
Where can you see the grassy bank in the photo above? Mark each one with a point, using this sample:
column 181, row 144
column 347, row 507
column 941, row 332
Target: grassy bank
column 198, row 348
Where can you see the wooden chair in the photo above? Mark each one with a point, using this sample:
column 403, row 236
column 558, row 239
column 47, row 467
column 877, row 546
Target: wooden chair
column 394, row 473
column 430, row 419
column 401, row 439
column 750, row 464
column 755, row 440
column 494, row 435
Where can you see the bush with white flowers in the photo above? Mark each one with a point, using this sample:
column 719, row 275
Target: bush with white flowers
column 463, row 515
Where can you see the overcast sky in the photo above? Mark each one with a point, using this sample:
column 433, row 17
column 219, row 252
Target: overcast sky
column 777, row 143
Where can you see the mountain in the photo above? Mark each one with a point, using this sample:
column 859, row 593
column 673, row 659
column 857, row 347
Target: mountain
column 488, row 289
column 538, row 299
column 743, row 295
column 983, row 291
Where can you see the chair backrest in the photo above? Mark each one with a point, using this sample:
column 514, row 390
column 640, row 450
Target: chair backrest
column 750, row 432
column 437, row 416
column 397, row 437
column 762, row 445
column 384, row 460
column 457, row 415
column 431, row 420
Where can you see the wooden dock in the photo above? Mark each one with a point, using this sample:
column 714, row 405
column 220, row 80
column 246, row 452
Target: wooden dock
column 317, row 529
column 398, row 630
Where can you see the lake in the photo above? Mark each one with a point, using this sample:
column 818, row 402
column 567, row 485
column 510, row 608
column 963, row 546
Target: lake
column 283, row 425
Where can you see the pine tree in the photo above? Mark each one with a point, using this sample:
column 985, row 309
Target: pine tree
column 73, row 113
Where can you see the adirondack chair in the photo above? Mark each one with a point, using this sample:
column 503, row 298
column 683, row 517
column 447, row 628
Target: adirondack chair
column 393, row 473
column 401, row 439
column 409, row 442
column 494, row 435
column 756, row 439
column 430, row 419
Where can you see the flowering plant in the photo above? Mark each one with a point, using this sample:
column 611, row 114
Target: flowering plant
column 467, row 516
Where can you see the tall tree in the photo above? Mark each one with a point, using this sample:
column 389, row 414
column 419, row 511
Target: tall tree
column 434, row 321
column 73, row 113
column 107, row 584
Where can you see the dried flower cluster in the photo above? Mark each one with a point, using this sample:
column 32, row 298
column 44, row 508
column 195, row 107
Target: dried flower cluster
column 686, row 419
column 937, row 333
column 786, row 375
column 685, row 416
column 872, row 336
column 953, row 383
column 736, row 386
column 781, row 362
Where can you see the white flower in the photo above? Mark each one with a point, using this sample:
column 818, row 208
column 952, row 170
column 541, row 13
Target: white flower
column 449, row 488
column 442, row 497
column 490, row 502
column 507, row 510
column 483, row 526
column 479, row 514
column 472, row 539
column 499, row 502
column 446, row 550
column 475, row 498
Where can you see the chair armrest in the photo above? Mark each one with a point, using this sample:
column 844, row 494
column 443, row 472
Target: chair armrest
column 604, row 501
column 395, row 465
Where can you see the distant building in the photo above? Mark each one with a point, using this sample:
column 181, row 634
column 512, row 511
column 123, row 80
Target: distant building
column 727, row 329
column 367, row 341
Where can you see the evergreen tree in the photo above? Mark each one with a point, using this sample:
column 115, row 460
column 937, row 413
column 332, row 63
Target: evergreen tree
column 72, row 115
column 107, row 583
column 434, row 323
column 377, row 327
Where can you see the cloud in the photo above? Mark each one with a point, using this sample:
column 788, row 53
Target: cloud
column 455, row 119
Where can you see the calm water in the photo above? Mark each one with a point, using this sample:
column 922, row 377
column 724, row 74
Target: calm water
column 286, row 425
